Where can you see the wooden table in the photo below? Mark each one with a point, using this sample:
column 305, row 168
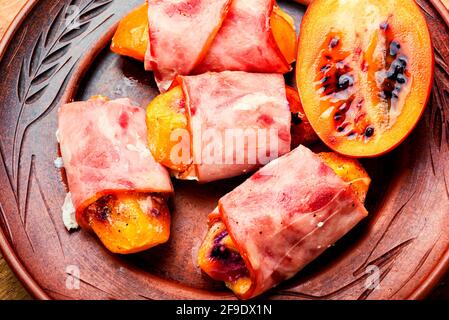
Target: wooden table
column 10, row 287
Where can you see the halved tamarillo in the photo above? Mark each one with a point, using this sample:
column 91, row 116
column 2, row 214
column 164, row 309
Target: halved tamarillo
column 364, row 72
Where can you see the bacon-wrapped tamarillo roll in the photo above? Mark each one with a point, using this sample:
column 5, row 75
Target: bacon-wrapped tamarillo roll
column 117, row 189
column 183, row 37
column 220, row 125
column 282, row 218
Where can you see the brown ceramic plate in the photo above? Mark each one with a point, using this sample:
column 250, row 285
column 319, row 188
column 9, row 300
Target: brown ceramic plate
column 44, row 63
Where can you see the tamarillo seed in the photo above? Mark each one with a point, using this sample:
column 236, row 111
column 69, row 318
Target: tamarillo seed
column 369, row 132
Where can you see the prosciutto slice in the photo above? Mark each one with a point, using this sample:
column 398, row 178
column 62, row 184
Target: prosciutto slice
column 196, row 36
column 104, row 148
column 238, row 122
column 181, row 32
column 286, row 215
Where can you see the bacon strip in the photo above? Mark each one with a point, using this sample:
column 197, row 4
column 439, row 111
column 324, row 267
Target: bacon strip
column 229, row 108
column 104, row 147
column 181, row 32
column 245, row 41
column 196, row 36
column 286, row 215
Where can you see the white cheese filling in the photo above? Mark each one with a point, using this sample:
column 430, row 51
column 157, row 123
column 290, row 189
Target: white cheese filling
column 69, row 213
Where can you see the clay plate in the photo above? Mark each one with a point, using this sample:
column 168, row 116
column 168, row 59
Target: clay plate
column 45, row 63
